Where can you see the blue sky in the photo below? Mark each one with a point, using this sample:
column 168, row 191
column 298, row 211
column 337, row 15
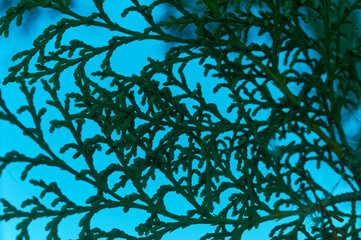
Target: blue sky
column 129, row 60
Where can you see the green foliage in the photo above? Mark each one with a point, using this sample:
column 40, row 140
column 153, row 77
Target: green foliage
column 224, row 162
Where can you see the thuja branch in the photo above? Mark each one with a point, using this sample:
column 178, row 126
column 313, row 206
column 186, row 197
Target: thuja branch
column 280, row 82
column 199, row 154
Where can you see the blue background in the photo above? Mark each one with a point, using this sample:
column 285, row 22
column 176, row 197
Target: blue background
column 127, row 60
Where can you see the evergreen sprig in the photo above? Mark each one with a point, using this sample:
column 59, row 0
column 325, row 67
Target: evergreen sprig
column 223, row 167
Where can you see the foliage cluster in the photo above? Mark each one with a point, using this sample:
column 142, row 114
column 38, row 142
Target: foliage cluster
column 224, row 168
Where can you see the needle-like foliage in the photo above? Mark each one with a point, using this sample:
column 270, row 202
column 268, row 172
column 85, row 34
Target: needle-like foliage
column 293, row 87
